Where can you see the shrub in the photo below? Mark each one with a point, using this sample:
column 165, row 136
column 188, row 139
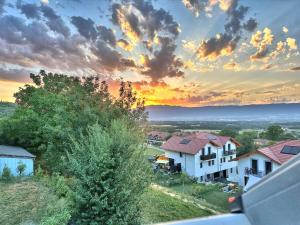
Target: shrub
column 21, row 168
column 6, row 173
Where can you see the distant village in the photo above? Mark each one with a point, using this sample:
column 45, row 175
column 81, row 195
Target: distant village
column 208, row 157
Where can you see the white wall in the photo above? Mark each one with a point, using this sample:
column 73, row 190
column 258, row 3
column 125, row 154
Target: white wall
column 246, row 163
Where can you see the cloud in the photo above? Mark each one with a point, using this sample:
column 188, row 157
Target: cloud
column 31, row 11
column 285, row 29
column 16, row 75
column 2, row 3
column 125, row 45
column 291, row 42
column 233, row 66
column 46, row 2
column 261, row 40
column 85, row 27
column 224, row 44
column 107, row 35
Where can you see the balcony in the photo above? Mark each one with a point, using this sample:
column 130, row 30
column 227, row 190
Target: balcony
column 251, row 171
column 208, row 157
column 229, row 152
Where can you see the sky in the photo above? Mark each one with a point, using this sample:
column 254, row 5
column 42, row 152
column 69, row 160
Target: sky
column 175, row 52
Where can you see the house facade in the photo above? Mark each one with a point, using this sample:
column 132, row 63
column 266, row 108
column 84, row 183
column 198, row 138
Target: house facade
column 203, row 155
column 256, row 164
column 11, row 157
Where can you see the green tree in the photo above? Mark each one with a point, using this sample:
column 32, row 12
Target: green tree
column 21, row 168
column 6, row 173
column 274, row 133
column 58, row 106
column 229, row 132
column 246, row 139
column 111, row 174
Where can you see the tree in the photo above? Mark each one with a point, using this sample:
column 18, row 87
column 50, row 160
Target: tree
column 6, row 173
column 246, row 141
column 229, row 132
column 58, row 106
column 21, row 168
column 111, row 174
column 274, row 133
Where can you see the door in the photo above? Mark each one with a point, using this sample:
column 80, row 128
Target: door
column 268, row 167
column 254, row 166
column 225, row 173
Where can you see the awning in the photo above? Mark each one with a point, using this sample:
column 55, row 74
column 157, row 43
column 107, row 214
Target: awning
column 161, row 161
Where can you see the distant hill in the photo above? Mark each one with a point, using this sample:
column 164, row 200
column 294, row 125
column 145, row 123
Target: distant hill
column 7, row 108
column 268, row 112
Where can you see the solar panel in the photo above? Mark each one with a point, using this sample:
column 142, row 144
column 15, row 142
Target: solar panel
column 185, row 141
column 292, row 150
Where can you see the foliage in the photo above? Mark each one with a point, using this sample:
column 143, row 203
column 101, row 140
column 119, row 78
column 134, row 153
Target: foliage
column 246, row 139
column 169, row 180
column 58, row 106
column 21, row 168
column 276, row 133
column 6, row 109
column 6, row 173
column 160, row 207
column 31, row 202
column 229, row 132
column 111, row 173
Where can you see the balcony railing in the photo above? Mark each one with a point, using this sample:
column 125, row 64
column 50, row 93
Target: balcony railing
column 251, row 171
column 208, row 157
column 229, row 152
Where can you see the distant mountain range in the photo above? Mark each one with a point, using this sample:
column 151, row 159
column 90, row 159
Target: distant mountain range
column 268, row 112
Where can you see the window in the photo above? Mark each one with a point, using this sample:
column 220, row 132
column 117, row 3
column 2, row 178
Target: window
column 224, row 159
column 203, row 151
column 230, row 157
column 224, row 148
column 221, row 160
column 231, row 170
column 209, row 150
column 180, row 154
column 229, row 147
column 201, row 165
column 213, row 162
column 201, row 178
column 209, row 162
column 237, row 170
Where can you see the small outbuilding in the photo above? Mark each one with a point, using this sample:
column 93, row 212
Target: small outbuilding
column 11, row 157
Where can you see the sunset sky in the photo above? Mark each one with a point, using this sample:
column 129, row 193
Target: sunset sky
column 176, row 52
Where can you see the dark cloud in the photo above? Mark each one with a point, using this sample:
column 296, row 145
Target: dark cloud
column 16, row 75
column 250, row 25
column 85, row 27
column 55, row 22
column 164, row 63
column 11, row 28
column 225, row 43
column 2, row 3
column 107, row 35
column 31, row 11
column 295, row 68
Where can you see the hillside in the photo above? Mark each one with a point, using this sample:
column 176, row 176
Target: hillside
column 269, row 112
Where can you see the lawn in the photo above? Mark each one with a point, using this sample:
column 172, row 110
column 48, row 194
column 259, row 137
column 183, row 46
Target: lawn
column 29, row 202
column 160, row 207
column 153, row 150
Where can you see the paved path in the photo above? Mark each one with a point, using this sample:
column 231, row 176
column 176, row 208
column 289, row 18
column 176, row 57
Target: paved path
column 202, row 204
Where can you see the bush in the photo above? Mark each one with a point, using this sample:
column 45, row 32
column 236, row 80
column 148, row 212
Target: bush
column 21, row 168
column 6, row 173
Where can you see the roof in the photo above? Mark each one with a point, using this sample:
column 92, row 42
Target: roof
column 192, row 143
column 158, row 134
column 14, row 151
column 273, row 152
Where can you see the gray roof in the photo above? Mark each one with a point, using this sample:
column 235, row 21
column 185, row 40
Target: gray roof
column 14, row 152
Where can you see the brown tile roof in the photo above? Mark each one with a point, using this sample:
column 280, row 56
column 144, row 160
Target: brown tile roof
column 273, row 152
column 196, row 142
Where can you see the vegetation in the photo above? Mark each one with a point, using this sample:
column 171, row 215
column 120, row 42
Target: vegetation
column 160, row 207
column 229, row 132
column 246, row 139
column 6, row 109
column 112, row 196
column 21, row 168
column 276, row 133
column 31, row 202
column 6, row 173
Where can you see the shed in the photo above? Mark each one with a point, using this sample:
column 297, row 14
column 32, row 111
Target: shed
column 11, row 156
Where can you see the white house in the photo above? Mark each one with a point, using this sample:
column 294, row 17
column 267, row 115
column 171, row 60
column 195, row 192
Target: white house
column 203, row 155
column 11, row 157
column 256, row 164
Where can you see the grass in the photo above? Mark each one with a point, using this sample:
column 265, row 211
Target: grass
column 28, row 202
column 151, row 151
column 160, row 207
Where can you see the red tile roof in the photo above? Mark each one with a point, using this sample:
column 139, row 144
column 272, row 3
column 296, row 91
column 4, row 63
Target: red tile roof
column 273, row 152
column 196, row 142
column 158, row 134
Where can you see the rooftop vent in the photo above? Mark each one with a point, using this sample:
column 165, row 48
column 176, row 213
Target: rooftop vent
column 292, row 150
column 185, row 141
